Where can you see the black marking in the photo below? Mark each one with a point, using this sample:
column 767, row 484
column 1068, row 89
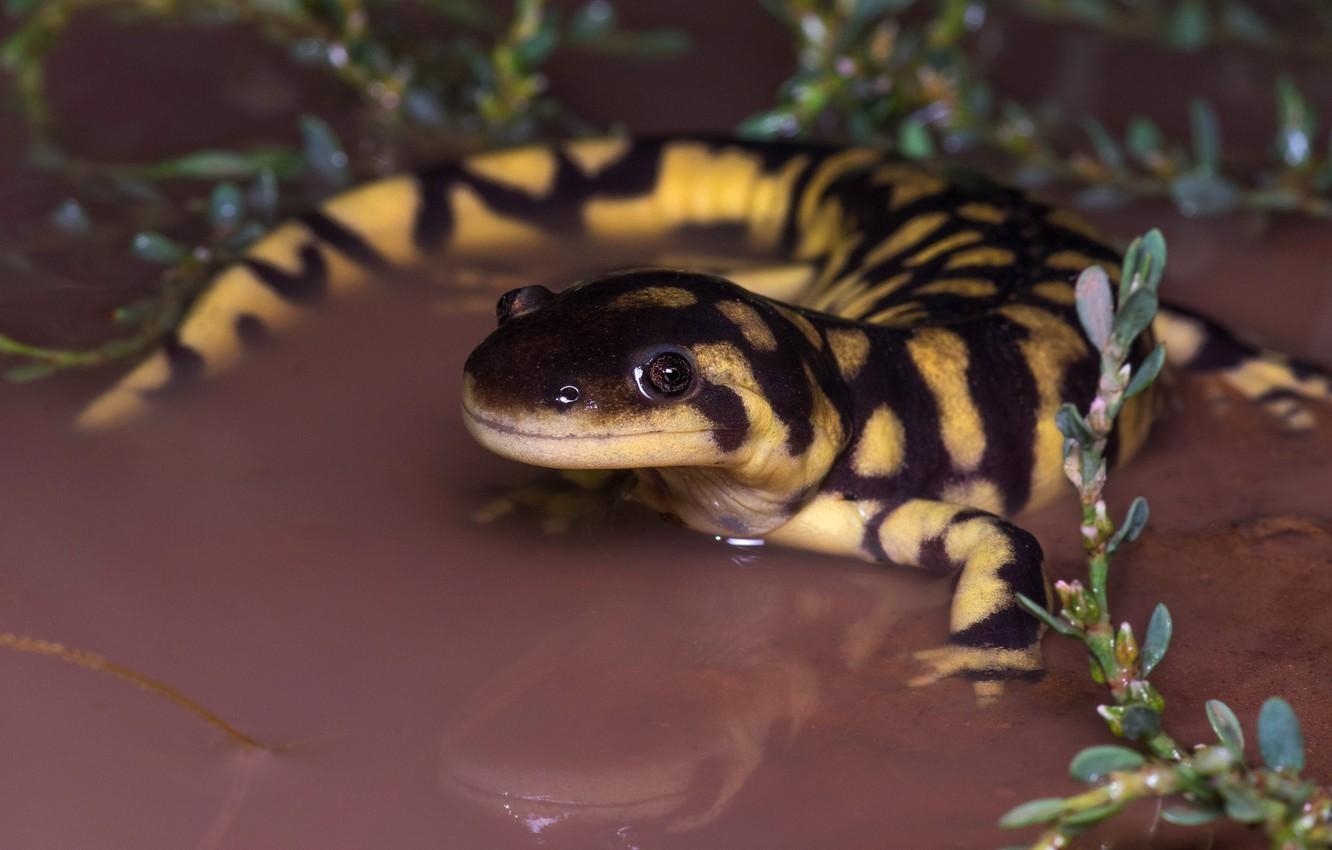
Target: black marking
column 434, row 217
column 870, row 543
column 309, row 285
column 251, row 330
column 1001, row 383
column 1011, row 627
column 185, row 367
column 346, row 241
column 723, row 407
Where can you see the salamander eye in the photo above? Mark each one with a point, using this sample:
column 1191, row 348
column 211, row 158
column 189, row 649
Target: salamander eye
column 670, row 373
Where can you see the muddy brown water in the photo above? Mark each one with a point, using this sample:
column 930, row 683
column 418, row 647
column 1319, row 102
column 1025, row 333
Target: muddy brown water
column 292, row 547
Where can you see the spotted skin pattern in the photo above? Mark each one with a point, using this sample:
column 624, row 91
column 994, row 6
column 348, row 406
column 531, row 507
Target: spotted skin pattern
column 895, row 405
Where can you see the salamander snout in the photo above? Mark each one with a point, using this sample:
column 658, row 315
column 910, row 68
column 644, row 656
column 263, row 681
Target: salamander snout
column 520, row 301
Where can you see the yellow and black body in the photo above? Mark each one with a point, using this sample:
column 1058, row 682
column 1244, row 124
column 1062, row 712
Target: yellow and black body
column 887, row 392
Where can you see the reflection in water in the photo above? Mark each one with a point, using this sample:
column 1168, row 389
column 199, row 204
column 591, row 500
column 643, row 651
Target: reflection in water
column 651, row 714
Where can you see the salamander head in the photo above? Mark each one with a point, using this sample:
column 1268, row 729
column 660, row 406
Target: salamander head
column 656, row 369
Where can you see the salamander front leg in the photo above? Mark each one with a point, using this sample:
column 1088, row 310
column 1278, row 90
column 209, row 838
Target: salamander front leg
column 991, row 637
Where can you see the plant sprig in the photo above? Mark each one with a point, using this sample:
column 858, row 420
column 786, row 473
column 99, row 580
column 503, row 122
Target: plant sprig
column 871, row 73
column 1206, row 782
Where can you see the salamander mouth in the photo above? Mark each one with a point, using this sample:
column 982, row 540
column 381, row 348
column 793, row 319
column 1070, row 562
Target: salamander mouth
column 564, row 447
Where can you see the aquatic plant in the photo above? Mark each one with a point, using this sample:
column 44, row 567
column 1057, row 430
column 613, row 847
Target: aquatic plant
column 418, row 97
column 904, row 73
column 1210, row 781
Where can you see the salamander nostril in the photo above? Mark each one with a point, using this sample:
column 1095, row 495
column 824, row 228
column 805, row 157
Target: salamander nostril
column 520, row 301
column 568, row 394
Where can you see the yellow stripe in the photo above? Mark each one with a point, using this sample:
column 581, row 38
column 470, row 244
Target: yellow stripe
column 528, row 170
column 941, row 356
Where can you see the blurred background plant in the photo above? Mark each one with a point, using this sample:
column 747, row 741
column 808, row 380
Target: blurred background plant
column 904, row 74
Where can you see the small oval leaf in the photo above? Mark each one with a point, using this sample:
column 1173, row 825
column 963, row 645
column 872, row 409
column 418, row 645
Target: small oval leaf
column 1187, row 814
column 1140, row 722
column 1226, row 726
column 226, row 206
column 1135, row 315
column 1033, row 812
column 1134, row 522
column 1146, row 371
column 1072, row 425
column 1039, row 612
column 1095, row 763
column 324, row 152
column 1096, row 306
column 1157, row 641
column 1280, row 739
column 156, row 248
column 30, row 372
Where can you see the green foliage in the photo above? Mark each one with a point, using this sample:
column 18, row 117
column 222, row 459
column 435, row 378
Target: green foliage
column 872, row 74
column 484, row 87
column 1209, row 781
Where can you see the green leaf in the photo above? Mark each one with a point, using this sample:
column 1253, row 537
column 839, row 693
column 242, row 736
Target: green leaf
column 1280, row 739
column 1226, row 726
column 1206, row 136
column 263, row 195
column 1134, row 522
column 1157, row 641
column 224, row 165
column 324, row 153
column 1095, row 763
column 1039, row 611
column 1135, row 316
column 1144, row 140
column 466, row 12
column 1073, row 426
column 1033, row 812
column 30, row 372
column 1140, row 722
column 532, row 51
column 1144, row 262
column 156, row 248
column 592, row 21
column 1146, row 371
column 1096, row 306
column 1188, row 814
column 775, row 124
column 70, row 217
column 1204, row 194
column 1296, row 124
column 1242, row 804
column 1240, row 20
column 914, row 140
column 1188, row 26
column 1106, row 150
column 226, row 206
column 1092, row 815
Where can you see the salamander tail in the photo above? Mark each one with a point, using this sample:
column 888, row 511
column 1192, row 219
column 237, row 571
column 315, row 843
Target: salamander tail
column 1280, row 384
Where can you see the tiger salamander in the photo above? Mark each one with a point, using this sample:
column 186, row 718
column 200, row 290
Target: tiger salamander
column 889, row 397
